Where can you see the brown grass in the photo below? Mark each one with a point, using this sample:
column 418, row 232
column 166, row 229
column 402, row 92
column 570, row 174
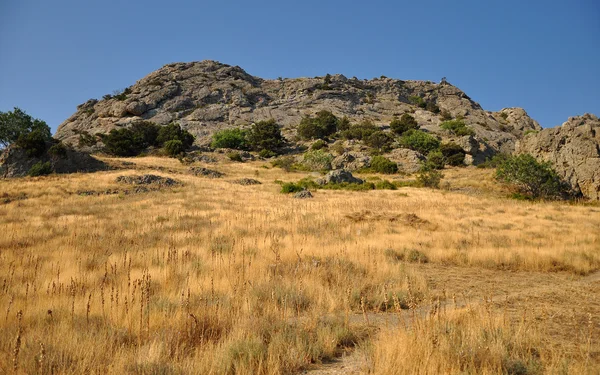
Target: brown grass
column 214, row 277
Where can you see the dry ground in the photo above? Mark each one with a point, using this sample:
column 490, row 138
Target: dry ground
column 215, row 277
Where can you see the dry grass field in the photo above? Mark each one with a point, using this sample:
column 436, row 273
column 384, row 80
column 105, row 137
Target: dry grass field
column 212, row 277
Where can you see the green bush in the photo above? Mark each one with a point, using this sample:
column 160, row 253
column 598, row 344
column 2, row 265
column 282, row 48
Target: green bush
column 122, row 142
column 267, row 154
column 230, row 138
column 420, row 141
column 319, row 144
column 453, row 153
column 445, row 115
column 403, row 124
column 40, row 169
column 457, row 127
column 317, row 160
column 146, row 133
column 235, row 156
column 265, row 135
column 86, row 139
column 380, row 141
column 322, row 125
column 34, row 143
column 174, row 132
column 436, row 160
column 418, row 101
column 285, row 162
column 58, row 150
column 173, row 147
column 495, row 161
column 429, row 177
column 360, row 131
column 290, row 187
column 532, row 178
column 432, row 107
column 385, row 185
column 380, row 164
column 343, row 124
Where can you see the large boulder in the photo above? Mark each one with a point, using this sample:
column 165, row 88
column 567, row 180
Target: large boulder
column 351, row 161
column 14, row 162
column 408, row 161
column 573, row 149
column 337, row 177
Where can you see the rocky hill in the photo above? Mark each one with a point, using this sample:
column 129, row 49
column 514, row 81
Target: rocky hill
column 573, row 149
column 206, row 96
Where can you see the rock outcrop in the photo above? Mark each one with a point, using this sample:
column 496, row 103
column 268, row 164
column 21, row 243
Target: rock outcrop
column 208, row 96
column 338, row 176
column 14, row 162
column 573, row 149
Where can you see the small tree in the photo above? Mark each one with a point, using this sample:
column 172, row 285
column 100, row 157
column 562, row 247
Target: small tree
column 420, row 141
column 229, row 138
column 173, row 147
column 403, row 124
column 174, row 131
column 380, row 141
column 265, row 135
column 17, row 123
column 436, row 160
column 532, row 178
column 453, row 154
column 122, row 142
column 322, row 125
column 457, row 127
column 429, row 177
column 34, row 143
column 383, row 165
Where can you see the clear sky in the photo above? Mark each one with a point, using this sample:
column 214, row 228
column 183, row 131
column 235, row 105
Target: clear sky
column 543, row 56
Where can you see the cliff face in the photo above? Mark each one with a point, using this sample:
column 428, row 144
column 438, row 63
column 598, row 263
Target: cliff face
column 207, row 96
column 573, row 149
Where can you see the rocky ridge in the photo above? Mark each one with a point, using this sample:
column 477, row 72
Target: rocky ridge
column 207, row 96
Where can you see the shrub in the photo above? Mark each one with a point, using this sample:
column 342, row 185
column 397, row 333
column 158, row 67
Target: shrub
column 146, row 133
column 360, row 131
column 420, row 141
column 267, row 154
column 418, row 101
column 59, row 150
column 290, row 187
column 453, row 153
column 265, row 135
column 436, row 160
column 495, row 161
column 385, row 185
column 229, row 138
column 432, row 107
column 380, row 141
column 34, row 143
column 343, row 124
column 319, row 144
column 404, row 124
column 235, row 156
column 86, row 139
column 429, row 177
column 122, row 142
column 174, row 132
column 338, row 148
column 285, row 162
column 457, row 127
column 532, row 178
column 322, row 125
column 317, row 160
column 383, row 165
column 40, row 169
column 173, row 147
column 445, row 115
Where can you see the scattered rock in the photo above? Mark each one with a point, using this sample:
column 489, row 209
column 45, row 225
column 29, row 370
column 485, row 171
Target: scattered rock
column 304, row 194
column 351, row 161
column 246, row 181
column 148, row 179
column 574, row 151
column 337, row 177
column 200, row 171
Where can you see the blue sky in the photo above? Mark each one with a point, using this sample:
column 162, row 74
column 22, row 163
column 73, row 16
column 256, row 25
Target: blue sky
column 543, row 56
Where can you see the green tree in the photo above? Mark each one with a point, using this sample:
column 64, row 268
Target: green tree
column 173, row 147
column 172, row 132
column 403, row 124
column 229, row 138
column 122, row 142
column 383, row 165
column 453, row 153
column 457, row 127
column 265, row 135
column 532, row 178
column 17, row 123
column 360, row 131
column 322, row 125
column 436, row 160
column 420, row 141
column 380, row 141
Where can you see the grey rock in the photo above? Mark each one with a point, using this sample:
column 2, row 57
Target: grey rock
column 199, row 171
column 408, row 161
column 337, row 177
column 304, row 194
column 136, row 108
column 573, row 149
column 246, row 181
column 351, row 161
column 14, row 162
column 147, row 179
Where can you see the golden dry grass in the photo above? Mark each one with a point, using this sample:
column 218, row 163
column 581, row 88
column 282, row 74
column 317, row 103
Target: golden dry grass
column 214, row 277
